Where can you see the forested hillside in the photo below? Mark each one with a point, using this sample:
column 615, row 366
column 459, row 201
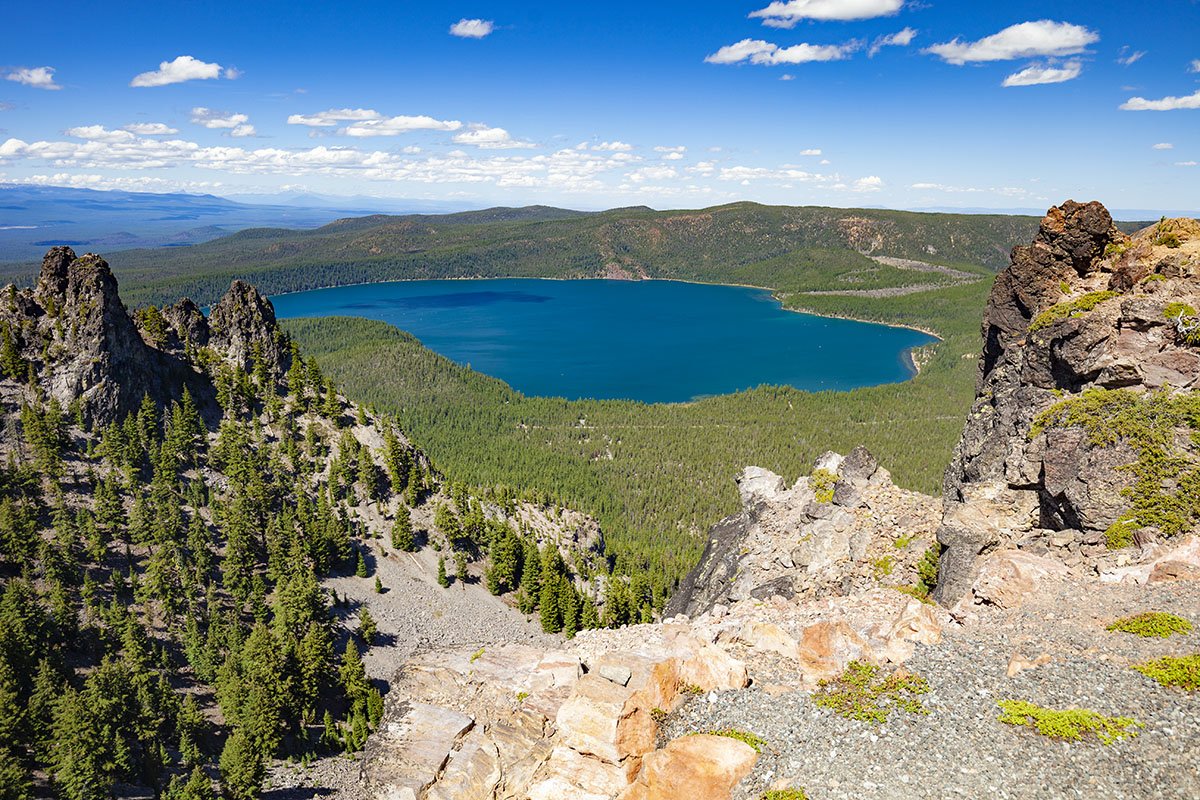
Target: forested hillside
column 738, row 243
column 173, row 490
column 657, row 476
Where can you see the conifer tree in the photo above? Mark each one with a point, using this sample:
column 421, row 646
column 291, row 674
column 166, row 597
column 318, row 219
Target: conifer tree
column 366, row 626
column 242, row 768
column 402, row 532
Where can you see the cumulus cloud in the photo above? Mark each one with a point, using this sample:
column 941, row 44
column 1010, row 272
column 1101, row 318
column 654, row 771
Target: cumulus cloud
column 1195, row 66
column 486, row 138
column 333, row 117
column 1185, row 163
column 151, row 129
column 1164, row 146
column 1024, row 40
column 871, row 183
column 1170, row 103
column 472, row 28
column 37, row 77
column 1037, row 75
column 98, row 133
column 613, row 147
column 652, row 174
column 236, row 124
column 788, row 14
column 812, row 151
column 757, row 51
column 901, row 38
column 671, row 153
column 395, row 126
column 183, row 68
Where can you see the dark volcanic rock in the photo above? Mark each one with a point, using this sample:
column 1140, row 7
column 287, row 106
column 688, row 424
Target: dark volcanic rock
column 1003, row 482
column 242, row 327
column 87, row 348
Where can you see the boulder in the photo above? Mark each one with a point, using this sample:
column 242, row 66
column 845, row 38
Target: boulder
column 598, row 720
column 696, row 767
column 408, row 753
column 825, row 648
column 1008, row 577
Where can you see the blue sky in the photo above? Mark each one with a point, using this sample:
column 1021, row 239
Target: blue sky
column 589, row 105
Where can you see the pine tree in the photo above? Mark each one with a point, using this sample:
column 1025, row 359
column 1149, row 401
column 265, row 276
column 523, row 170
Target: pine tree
column 15, row 781
column 442, row 579
column 190, row 724
column 402, row 532
column 353, row 677
column 81, row 753
column 360, row 567
column 378, row 585
column 366, row 626
column 460, row 566
column 242, row 768
column 197, row 787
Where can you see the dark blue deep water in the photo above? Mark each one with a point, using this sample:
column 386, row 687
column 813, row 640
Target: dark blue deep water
column 654, row 341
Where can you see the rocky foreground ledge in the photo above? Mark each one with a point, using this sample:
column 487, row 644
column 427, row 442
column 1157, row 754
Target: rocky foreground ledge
column 804, row 658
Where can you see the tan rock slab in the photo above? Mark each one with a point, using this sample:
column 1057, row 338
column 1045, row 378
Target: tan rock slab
column 697, row 767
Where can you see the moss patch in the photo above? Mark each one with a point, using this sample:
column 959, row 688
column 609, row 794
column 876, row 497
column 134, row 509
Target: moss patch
column 784, row 794
column 1070, row 725
column 1181, row 671
column 862, row 693
column 1152, row 623
column 1165, row 492
column 1071, row 308
column 822, row 482
column 757, row 742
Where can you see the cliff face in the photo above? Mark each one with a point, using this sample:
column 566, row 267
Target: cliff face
column 1087, row 351
column 72, row 338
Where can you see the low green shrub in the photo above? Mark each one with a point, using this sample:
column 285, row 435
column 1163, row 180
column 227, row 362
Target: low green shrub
column 1181, row 671
column 1152, row 623
column 757, row 742
column 861, row 693
column 1070, row 725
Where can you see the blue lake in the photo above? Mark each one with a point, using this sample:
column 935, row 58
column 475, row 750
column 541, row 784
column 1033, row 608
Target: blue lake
column 654, row 341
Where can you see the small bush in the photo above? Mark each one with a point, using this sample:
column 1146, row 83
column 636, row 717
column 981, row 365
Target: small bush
column 1182, row 671
column 1071, row 308
column 478, row 654
column 1069, row 725
column 861, row 693
column 822, row 482
column 757, row 742
column 784, row 794
column 1152, row 623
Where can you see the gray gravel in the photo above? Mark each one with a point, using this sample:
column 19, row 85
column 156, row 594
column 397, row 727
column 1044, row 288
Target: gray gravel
column 961, row 749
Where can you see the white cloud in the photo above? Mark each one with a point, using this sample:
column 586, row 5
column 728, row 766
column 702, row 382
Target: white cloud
column 472, row 28
column 1164, row 146
column 1195, row 66
column 1185, row 163
column 787, row 76
column 150, row 129
column 98, row 133
column 395, row 126
column 671, row 153
column 787, row 14
column 652, row 174
column 232, row 73
column 1025, row 40
column 1170, row 103
column 1037, row 75
column 613, row 147
column 37, row 77
column 183, row 68
column 107, row 183
column 487, row 138
column 812, row 151
column 871, row 183
column 756, row 51
column 330, row 118
column 236, row 124
column 6, row 106
column 1125, row 57
column 902, row 38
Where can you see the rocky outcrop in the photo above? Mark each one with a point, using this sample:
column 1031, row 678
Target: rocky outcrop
column 1085, row 320
column 73, row 333
column 843, row 529
column 584, row 723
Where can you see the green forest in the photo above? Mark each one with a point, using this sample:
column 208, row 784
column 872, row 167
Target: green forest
column 658, row 475
column 738, row 243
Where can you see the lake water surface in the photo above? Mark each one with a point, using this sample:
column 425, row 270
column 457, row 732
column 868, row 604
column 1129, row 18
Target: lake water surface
column 654, row 341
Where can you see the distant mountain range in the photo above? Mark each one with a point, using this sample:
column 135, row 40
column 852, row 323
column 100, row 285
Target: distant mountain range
column 32, row 218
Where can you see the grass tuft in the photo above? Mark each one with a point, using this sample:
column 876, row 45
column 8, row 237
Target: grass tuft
column 861, row 693
column 1069, row 725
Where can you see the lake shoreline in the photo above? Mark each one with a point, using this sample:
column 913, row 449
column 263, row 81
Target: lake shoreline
column 774, row 293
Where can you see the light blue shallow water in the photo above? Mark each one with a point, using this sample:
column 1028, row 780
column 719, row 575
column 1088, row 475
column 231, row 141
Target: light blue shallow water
column 654, row 341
